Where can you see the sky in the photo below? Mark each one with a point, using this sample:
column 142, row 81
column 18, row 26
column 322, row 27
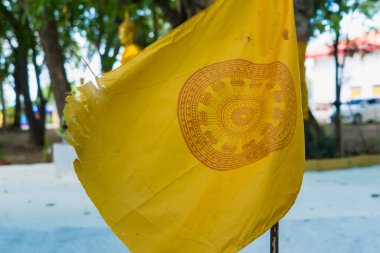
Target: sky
column 352, row 26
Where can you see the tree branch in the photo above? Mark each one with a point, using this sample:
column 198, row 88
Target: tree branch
column 173, row 16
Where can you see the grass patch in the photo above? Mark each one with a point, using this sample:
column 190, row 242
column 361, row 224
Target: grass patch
column 2, row 154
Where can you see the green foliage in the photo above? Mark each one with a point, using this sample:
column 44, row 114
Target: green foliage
column 319, row 144
column 66, row 13
column 95, row 21
column 330, row 13
column 324, row 147
column 99, row 24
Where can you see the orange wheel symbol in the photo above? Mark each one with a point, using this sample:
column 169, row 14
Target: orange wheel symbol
column 235, row 113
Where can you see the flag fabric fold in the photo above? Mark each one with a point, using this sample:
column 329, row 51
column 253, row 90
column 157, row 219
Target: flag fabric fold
column 196, row 144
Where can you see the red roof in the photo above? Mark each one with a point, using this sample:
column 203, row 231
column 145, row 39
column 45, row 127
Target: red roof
column 368, row 43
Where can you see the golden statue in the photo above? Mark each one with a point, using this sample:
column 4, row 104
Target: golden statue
column 127, row 31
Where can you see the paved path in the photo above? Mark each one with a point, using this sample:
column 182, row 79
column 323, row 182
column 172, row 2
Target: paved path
column 337, row 211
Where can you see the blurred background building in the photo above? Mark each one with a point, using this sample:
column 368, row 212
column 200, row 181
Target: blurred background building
column 361, row 73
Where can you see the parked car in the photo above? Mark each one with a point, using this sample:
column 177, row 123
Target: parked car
column 359, row 111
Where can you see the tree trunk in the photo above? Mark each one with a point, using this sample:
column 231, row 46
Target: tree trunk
column 54, row 61
column 338, row 85
column 21, row 78
column 41, row 121
column 303, row 11
column 16, row 122
column 3, row 106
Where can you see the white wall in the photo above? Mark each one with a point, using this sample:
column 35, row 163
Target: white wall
column 360, row 71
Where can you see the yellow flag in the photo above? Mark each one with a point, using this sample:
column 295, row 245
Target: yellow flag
column 196, row 144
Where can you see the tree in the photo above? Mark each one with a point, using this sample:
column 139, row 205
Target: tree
column 6, row 35
column 328, row 18
column 4, row 73
column 47, row 17
column 21, row 40
column 54, row 60
column 99, row 24
column 181, row 10
column 315, row 138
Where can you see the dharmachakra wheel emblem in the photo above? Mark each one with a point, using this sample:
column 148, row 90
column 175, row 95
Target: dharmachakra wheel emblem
column 236, row 112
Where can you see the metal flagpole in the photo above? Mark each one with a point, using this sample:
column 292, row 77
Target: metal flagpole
column 274, row 239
